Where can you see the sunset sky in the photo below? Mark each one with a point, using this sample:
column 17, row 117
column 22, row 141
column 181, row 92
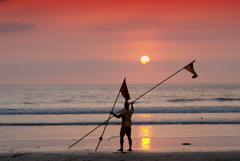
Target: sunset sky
column 102, row 41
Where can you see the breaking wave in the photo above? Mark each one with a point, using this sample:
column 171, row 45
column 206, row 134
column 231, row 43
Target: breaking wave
column 119, row 123
column 182, row 109
column 220, row 99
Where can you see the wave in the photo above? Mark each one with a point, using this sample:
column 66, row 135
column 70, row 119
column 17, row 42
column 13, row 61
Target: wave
column 227, row 99
column 58, row 101
column 65, row 101
column 186, row 100
column 28, row 103
column 181, row 100
column 220, row 99
column 119, row 123
column 182, row 109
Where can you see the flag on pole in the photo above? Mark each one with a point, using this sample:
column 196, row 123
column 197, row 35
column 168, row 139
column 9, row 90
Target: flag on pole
column 124, row 91
column 190, row 68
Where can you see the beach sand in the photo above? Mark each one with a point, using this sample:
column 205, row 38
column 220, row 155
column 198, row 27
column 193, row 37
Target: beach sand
column 110, row 156
column 165, row 142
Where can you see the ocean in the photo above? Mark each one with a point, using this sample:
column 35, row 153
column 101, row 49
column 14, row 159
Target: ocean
column 184, row 104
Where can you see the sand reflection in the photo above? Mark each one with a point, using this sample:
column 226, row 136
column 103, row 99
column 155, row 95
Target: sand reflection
column 145, row 134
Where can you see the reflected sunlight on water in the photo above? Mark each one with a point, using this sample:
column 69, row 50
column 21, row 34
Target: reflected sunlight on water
column 145, row 134
column 145, row 143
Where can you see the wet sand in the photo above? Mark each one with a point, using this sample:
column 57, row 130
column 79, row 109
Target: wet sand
column 165, row 142
column 133, row 156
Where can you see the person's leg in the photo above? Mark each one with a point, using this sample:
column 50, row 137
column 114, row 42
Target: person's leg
column 121, row 143
column 122, row 133
column 130, row 143
column 128, row 132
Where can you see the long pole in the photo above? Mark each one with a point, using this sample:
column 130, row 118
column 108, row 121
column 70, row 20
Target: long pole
column 132, row 102
column 100, row 138
column 160, row 83
column 92, row 131
column 106, row 121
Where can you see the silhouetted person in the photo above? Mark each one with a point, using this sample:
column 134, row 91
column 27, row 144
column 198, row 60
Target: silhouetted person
column 126, row 115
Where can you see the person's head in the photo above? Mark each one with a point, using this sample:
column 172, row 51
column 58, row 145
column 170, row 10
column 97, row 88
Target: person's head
column 126, row 105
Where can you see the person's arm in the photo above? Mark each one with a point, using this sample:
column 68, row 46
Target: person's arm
column 117, row 116
column 132, row 106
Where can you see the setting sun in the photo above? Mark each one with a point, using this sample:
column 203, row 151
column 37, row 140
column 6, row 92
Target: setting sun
column 144, row 59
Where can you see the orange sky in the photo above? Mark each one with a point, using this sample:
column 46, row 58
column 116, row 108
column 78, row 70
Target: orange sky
column 101, row 41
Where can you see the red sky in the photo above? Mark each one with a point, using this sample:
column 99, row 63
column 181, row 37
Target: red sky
column 101, row 41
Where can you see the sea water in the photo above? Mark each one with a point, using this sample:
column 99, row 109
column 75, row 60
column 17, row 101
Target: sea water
column 44, row 117
column 44, row 105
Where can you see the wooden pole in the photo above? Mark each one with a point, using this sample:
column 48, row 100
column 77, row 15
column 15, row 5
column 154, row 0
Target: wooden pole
column 159, row 83
column 101, row 137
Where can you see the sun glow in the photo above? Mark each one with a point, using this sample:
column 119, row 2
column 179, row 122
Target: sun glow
column 145, row 134
column 146, row 143
column 144, row 59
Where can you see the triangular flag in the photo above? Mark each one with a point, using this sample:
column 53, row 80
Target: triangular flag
column 124, row 91
column 190, row 68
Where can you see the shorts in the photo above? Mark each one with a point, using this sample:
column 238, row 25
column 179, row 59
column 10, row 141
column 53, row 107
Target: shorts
column 125, row 130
